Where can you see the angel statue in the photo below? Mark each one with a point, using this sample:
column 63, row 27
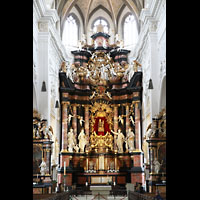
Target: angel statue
column 45, row 130
column 121, row 119
column 69, row 118
column 93, row 94
column 131, row 118
column 109, row 95
column 81, row 120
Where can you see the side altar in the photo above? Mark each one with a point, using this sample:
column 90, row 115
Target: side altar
column 100, row 96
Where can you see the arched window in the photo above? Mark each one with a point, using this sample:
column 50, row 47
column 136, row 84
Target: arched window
column 70, row 32
column 101, row 21
column 130, row 31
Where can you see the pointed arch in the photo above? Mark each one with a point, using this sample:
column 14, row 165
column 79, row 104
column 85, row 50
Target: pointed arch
column 98, row 8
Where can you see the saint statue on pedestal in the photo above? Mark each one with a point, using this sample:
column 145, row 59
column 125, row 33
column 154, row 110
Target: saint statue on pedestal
column 43, row 167
column 157, row 165
column 71, row 140
column 130, row 140
column 82, row 140
column 120, row 140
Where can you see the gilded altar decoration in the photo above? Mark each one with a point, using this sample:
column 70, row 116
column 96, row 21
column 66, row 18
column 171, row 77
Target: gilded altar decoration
column 101, row 142
column 101, row 118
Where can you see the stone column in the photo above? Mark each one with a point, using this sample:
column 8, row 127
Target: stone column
column 127, row 119
column 87, row 124
column 137, row 172
column 64, row 127
column 154, row 66
column 74, row 119
column 115, row 124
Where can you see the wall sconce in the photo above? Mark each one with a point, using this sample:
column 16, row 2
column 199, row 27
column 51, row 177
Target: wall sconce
column 57, row 104
column 150, row 84
column 44, row 86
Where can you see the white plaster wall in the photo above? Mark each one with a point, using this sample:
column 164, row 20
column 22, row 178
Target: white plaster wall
column 98, row 13
column 48, row 53
column 150, row 51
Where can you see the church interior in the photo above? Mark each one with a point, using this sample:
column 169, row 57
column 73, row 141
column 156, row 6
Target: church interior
column 99, row 99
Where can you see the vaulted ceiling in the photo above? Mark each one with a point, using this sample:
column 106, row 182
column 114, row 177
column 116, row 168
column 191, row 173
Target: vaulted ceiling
column 87, row 8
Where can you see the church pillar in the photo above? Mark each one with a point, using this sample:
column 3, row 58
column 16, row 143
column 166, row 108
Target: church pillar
column 154, row 66
column 137, row 128
column 115, row 124
column 43, row 71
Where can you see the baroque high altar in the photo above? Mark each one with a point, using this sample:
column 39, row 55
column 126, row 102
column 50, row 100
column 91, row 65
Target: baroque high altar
column 101, row 116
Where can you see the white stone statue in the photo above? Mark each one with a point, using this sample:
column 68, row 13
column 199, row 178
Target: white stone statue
column 157, row 165
column 82, row 140
column 43, row 167
column 120, row 140
column 121, row 119
column 130, row 140
column 45, row 130
column 71, row 140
